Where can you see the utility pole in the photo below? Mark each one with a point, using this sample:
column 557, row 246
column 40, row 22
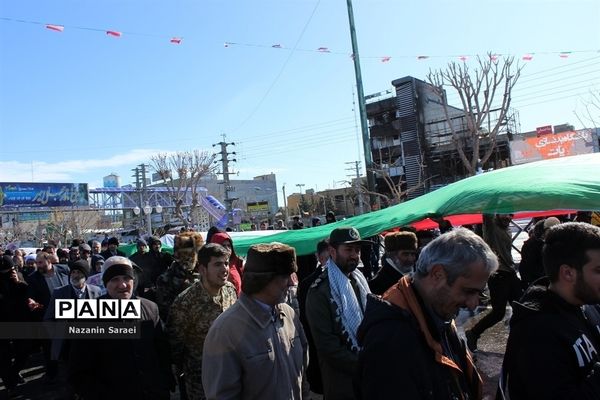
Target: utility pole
column 138, row 187
column 361, row 106
column 356, row 177
column 145, row 196
column 225, row 172
column 285, row 210
column 141, row 188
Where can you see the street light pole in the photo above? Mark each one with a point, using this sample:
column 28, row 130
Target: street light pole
column 148, row 212
column 361, row 105
column 285, row 210
column 300, row 185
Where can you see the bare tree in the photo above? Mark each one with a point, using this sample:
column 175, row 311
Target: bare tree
column 181, row 172
column 589, row 115
column 66, row 223
column 397, row 192
column 484, row 94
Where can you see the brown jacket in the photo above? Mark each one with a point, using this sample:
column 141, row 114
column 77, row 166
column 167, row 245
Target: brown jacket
column 249, row 354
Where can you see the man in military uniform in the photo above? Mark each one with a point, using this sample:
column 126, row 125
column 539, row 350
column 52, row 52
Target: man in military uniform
column 194, row 311
column 334, row 307
column 181, row 274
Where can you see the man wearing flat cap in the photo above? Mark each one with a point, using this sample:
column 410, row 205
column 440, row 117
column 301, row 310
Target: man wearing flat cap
column 123, row 368
column 399, row 260
column 334, row 307
column 257, row 349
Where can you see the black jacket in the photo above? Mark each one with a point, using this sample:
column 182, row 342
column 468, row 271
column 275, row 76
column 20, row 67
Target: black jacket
column 531, row 267
column 313, row 372
column 552, row 350
column 13, row 301
column 396, row 361
column 153, row 264
column 128, row 369
column 38, row 288
column 107, row 254
column 385, row 278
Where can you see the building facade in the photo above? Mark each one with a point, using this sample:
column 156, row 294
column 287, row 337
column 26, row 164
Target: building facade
column 412, row 143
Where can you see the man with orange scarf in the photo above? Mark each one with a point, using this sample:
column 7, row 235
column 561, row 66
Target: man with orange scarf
column 410, row 347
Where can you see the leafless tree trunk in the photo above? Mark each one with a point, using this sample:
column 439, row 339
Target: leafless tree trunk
column 66, row 223
column 589, row 117
column 181, row 173
column 397, row 194
column 479, row 93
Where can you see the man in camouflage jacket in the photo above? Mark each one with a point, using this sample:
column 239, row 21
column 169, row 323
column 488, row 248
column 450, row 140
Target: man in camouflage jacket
column 181, row 274
column 194, row 311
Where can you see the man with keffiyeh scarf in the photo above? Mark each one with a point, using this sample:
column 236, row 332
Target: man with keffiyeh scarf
column 334, row 307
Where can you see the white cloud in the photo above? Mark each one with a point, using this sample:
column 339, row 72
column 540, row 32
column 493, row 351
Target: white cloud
column 66, row 171
column 256, row 171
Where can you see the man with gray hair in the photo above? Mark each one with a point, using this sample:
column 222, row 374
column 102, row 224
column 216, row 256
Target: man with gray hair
column 408, row 338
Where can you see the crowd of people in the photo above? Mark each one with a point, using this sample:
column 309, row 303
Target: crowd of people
column 280, row 326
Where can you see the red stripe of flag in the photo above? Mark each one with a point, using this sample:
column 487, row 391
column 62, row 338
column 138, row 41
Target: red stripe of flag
column 113, row 33
column 57, row 28
column 176, row 40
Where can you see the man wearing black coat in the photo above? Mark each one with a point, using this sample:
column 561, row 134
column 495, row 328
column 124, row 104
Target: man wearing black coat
column 132, row 369
column 112, row 249
column 410, row 347
column 42, row 283
column 13, row 308
column 553, row 349
column 313, row 372
column 44, row 280
column 153, row 264
column 398, row 260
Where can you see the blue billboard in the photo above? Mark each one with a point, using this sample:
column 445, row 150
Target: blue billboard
column 24, row 194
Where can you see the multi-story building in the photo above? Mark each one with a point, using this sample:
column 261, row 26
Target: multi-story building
column 412, row 143
column 256, row 197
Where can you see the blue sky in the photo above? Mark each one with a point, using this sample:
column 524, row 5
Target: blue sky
column 78, row 105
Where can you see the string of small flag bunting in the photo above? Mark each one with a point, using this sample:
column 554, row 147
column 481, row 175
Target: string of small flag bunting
column 178, row 40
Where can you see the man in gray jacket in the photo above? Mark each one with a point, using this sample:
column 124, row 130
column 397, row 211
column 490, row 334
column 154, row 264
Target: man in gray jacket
column 257, row 349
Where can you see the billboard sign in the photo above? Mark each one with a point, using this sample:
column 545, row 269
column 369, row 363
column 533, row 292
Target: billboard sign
column 552, row 146
column 257, row 207
column 24, row 194
column 544, row 130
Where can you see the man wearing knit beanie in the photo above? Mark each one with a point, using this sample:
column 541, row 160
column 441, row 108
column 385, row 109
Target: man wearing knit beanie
column 103, row 370
column 118, row 273
column 113, row 249
column 77, row 288
column 260, row 316
column 399, row 260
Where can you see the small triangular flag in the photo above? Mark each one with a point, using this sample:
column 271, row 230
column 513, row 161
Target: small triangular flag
column 57, row 28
